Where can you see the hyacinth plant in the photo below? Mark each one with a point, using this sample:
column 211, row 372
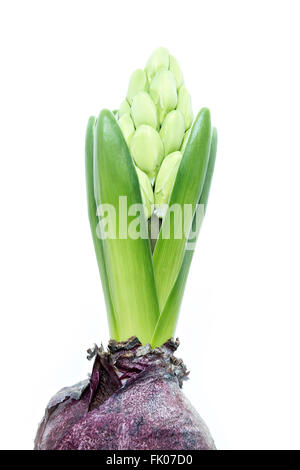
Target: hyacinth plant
column 163, row 161
column 149, row 167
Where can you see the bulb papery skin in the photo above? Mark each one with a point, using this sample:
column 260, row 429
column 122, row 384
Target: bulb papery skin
column 132, row 401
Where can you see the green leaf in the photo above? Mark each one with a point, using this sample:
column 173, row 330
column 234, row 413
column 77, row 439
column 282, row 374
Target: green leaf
column 169, row 251
column 92, row 212
column 166, row 324
column 128, row 261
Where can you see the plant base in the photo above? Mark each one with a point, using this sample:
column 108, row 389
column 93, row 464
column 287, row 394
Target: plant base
column 132, row 401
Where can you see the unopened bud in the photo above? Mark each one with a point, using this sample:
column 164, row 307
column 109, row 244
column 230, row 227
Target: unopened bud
column 164, row 92
column 165, row 182
column 176, row 71
column 185, row 106
column 124, row 108
column 146, row 192
column 147, row 150
column 143, row 110
column 137, row 82
column 158, row 60
column 127, row 127
column 185, row 140
column 172, row 131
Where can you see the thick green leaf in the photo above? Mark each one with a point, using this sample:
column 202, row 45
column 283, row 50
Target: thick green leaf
column 92, row 212
column 169, row 252
column 128, row 261
column 166, row 324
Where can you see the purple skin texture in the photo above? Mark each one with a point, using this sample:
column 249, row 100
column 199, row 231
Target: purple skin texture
column 132, row 401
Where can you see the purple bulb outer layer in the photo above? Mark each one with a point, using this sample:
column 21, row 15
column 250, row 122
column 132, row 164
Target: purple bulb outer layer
column 132, row 401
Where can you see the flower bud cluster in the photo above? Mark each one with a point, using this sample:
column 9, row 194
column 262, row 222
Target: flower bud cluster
column 155, row 119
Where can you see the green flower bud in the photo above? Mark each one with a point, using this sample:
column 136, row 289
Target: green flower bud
column 163, row 91
column 147, row 150
column 172, row 131
column 165, row 181
column 143, row 110
column 158, row 60
column 137, row 82
column 185, row 106
column 185, row 140
column 176, row 71
column 146, row 192
column 124, row 108
column 127, row 127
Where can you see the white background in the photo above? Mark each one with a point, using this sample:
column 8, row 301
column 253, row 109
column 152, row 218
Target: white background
column 62, row 61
